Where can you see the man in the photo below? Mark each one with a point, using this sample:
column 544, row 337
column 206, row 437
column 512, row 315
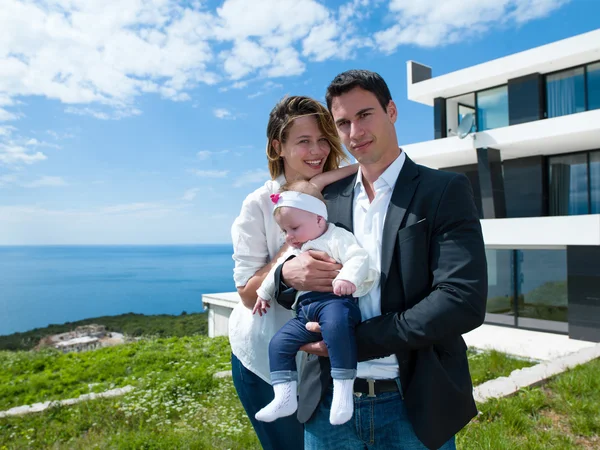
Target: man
column 420, row 226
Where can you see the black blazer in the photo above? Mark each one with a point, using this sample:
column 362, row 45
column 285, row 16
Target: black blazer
column 433, row 289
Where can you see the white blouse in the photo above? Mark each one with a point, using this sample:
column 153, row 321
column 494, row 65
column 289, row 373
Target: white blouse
column 256, row 240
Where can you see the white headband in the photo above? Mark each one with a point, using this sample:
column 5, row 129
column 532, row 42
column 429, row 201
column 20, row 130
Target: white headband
column 299, row 200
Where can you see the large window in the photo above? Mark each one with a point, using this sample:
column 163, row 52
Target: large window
column 569, row 187
column 492, row 108
column 500, row 304
column 593, row 86
column 565, row 92
column 528, row 288
column 542, row 276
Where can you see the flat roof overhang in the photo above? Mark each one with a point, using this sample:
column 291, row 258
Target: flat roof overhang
column 566, row 134
column 574, row 51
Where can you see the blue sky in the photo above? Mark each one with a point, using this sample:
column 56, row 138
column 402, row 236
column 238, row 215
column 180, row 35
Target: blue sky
column 143, row 122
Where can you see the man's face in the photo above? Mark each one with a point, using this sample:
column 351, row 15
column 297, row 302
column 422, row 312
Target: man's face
column 365, row 128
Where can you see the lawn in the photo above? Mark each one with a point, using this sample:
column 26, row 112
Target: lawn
column 562, row 414
column 177, row 403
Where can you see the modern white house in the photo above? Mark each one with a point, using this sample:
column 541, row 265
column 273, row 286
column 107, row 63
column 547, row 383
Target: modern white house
column 532, row 155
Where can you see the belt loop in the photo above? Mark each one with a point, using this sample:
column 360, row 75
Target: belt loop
column 371, row 384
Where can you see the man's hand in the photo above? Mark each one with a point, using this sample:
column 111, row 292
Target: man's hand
column 261, row 306
column 311, row 271
column 316, row 348
column 343, row 287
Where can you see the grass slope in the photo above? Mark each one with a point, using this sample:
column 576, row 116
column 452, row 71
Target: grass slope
column 130, row 324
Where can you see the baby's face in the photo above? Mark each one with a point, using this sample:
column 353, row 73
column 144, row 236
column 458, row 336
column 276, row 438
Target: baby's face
column 298, row 225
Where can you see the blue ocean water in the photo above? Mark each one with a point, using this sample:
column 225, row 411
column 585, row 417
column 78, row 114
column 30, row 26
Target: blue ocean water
column 56, row 284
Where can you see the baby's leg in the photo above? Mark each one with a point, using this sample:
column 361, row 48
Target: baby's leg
column 338, row 318
column 284, row 375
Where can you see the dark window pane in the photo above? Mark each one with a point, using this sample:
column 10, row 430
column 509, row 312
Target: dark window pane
column 492, row 108
column 500, row 304
column 565, row 92
column 595, row 181
column 542, row 287
column 593, row 86
column 568, row 185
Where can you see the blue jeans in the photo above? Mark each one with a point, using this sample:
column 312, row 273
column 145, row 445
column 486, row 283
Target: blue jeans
column 338, row 316
column 379, row 423
column 255, row 393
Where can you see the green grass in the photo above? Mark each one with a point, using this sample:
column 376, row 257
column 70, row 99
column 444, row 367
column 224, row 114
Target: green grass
column 562, row 414
column 177, row 404
column 487, row 365
column 130, row 324
column 30, row 377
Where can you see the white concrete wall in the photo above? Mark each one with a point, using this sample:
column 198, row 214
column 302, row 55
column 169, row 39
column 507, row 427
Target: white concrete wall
column 563, row 54
column 575, row 132
column 542, row 232
column 219, row 307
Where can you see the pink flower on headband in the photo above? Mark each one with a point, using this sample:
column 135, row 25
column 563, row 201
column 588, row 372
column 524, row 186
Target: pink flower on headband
column 275, row 198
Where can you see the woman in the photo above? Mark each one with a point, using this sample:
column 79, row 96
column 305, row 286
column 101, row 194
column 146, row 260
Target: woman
column 302, row 142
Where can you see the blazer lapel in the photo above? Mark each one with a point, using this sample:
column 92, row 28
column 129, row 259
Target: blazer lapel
column 404, row 190
column 341, row 213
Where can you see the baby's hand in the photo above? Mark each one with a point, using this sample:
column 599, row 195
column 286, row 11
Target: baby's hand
column 261, row 306
column 343, row 287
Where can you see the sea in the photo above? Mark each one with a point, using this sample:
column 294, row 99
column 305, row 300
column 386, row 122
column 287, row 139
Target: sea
column 47, row 285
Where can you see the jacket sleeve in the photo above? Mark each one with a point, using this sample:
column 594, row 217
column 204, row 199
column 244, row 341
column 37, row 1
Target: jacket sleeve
column 267, row 289
column 457, row 301
column 355, row 262
column 285, row 295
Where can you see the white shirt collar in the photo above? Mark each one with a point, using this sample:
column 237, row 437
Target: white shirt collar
column 389, row 175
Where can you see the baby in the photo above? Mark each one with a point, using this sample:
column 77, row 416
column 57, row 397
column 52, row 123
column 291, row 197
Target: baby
column 301, row 213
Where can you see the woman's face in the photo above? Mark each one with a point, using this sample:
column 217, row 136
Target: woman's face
column 305, row 150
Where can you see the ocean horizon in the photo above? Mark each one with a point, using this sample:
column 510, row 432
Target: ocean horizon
column 53, row 284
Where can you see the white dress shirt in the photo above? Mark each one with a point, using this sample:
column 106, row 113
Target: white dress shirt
column 256, row 240
column 368, row 221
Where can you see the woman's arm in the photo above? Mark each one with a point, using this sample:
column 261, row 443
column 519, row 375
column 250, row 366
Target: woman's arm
column 248, row 292
column 326, row 178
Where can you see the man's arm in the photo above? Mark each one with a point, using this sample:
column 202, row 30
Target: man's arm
column 310, row 271
column 457, row 302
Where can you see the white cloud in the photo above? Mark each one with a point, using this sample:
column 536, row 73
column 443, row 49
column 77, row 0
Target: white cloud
column 15, row 155
column 224, row 113
column 7, row 115
column 17, row 151
column 266, row 87
column 130, row 208
column 432, row 23
column 190, row 194
column 59, row 136
column 114, row 114
column 81, row 51
column 255, row 176
column 98, row 57
column 203, row 155
column 46, row 181
column 211, row 173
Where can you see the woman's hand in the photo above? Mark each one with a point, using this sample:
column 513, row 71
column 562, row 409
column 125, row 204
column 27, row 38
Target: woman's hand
column 311, row 271
column 261, row 306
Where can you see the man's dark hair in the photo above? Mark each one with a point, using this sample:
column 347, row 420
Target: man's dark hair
column 364, row 79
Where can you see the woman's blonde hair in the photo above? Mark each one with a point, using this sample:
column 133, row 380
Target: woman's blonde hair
column 284, row 113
